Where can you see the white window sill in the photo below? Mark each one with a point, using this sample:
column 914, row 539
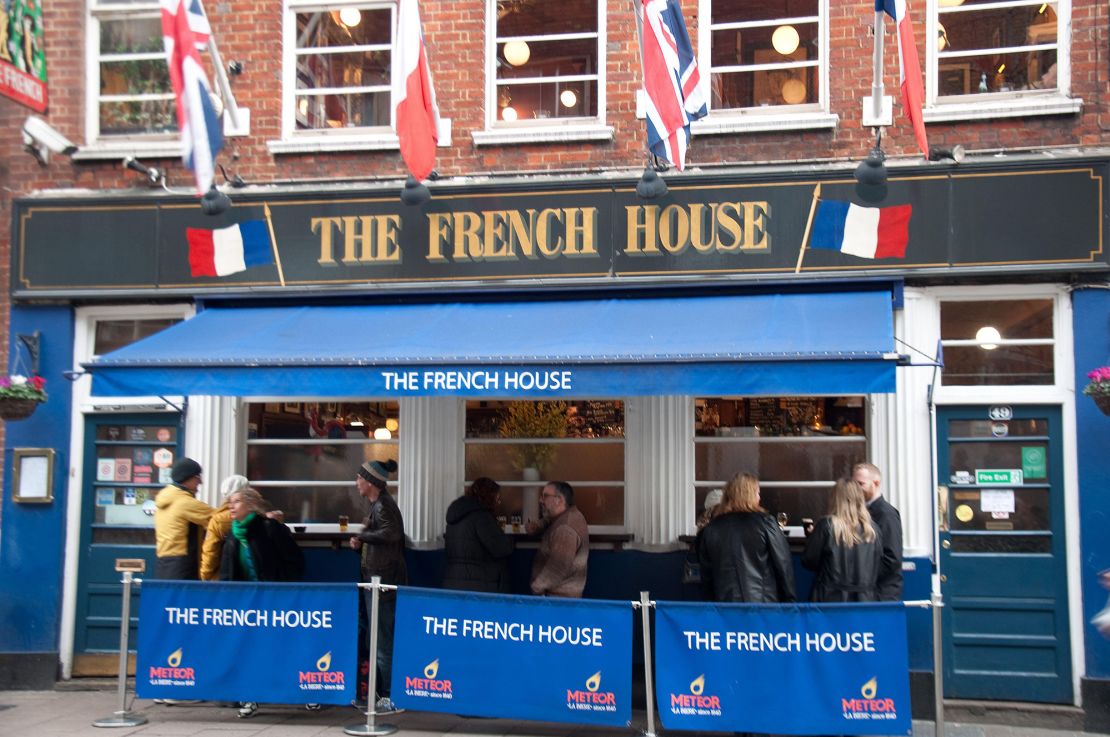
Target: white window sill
column 316, row 144
column 717, row 124
column 169, row 148
column 545, row 134
column 1004, row 108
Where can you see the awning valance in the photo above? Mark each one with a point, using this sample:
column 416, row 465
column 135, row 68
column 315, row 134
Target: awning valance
column 812, row 343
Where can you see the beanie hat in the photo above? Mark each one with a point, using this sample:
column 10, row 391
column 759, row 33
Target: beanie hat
column 232, row 484
column 377, row 472
column 184, row 469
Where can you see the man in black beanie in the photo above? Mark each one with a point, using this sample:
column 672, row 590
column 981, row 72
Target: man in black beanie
column 382, row 544
column 179, row 523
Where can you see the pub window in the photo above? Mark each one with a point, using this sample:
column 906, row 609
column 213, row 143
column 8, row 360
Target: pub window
column 337, row 67
column 303, row 456
column 547, row 61
column 999, row 343
column 130, row 92
column 523, row 444
column 797, row 446
column 987, row 49
column 112, row 334
column 764, row 56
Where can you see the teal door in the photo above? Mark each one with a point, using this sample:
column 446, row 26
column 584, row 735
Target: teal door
column 126, row 459
column 1002, row 557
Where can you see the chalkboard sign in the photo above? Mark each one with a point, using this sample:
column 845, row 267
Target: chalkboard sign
column 764, row 412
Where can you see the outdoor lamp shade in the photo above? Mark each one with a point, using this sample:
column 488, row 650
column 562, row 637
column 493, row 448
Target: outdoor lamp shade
column 414, row 192
column 215, row 202
column 651, row 185
column 871, row 177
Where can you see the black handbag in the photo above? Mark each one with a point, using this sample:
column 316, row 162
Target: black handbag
column 691, row 568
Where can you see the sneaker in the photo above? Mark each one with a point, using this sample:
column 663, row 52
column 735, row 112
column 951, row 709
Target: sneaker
column 313, row 707
column 385, row 705
column 179, row 702
column 247, row 709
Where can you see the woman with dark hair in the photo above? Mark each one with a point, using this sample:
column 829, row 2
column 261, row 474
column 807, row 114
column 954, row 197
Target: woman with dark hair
column 845, row 549
column 742, row 552
column 258, row 548
column 477, row 549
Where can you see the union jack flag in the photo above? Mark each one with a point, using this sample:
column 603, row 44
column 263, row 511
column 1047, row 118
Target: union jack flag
column 184, row 31
column 675, row 94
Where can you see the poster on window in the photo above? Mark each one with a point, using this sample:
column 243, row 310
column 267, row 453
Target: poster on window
column 23, row 53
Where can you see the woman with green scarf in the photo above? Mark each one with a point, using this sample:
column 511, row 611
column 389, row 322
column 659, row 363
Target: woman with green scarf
column 258, row 548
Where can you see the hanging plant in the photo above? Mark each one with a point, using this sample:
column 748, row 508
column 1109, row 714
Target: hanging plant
column 20, row 396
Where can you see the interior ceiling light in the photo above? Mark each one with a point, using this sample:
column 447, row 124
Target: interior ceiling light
column 785, row 40
column 988, row 337
column 350, row 17
column 950, row 3
column 391, row 425
column 517, row 53
column 508, row 113
column 568, row 98
column 793, row 91
column 382, row 434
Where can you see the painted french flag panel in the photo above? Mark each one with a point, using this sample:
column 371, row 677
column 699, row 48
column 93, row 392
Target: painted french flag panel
column 229, row 250
column 866, row 232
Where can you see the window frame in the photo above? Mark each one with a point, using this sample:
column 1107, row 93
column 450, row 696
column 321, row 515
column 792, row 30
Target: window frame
column 365, row 138
column 755, row 119
column 1016, row 103
column 586, row 128
column 1053, row 341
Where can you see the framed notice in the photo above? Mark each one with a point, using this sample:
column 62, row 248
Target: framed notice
column 33, row 475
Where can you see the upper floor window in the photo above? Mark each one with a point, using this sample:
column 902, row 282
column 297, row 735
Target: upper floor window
column 337, row 67
column 130, row 92
column 764, row 56
column 1001, row 343
column 547, row 61
column 986, row 47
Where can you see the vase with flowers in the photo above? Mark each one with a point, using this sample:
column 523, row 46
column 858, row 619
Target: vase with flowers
column 20, row 395
column 1099, row 388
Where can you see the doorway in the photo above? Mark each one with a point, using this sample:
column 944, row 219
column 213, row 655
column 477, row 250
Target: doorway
column 1002, row 554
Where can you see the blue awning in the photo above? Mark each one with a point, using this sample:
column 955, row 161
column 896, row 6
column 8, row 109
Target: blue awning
column 818, row 343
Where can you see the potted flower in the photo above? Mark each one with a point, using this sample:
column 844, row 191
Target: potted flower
column 1099, row 388
column 533, row 420
column 20, row 396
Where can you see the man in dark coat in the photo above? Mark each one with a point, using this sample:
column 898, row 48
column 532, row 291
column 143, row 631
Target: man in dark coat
column 477, row 550
column 889, row 522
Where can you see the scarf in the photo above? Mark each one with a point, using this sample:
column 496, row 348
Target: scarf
column 246, row 560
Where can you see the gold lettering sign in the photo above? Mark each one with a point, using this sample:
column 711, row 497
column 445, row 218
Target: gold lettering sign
column 725, row 227
column 511, row 235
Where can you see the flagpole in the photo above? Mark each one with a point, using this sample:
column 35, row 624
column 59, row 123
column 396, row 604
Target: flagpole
column 221, row 76
column 273, row 242
column 809, row 225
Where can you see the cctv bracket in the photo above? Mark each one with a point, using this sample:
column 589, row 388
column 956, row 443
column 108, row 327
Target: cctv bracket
column 886, row 118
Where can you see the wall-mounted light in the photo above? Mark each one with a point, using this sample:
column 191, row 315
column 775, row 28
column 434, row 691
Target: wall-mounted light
column 956, row 153
column 215, row 202
column 568, row 98
column 785, row 39
column 152, row 174
column 871, row 176
column 988, row 337
column 516, row 53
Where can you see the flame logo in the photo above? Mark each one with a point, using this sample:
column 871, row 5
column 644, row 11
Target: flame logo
column 593, row 683
column 870, row 688
column 697, row 685
column 324, row 663
column 175, row 658
column 431, row 669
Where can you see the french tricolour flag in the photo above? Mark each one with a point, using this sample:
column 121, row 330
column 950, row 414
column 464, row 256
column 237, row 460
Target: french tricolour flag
column 229, row 250
column 867, row 232
column 909, row 68
column 183, row 28
column 416, row 117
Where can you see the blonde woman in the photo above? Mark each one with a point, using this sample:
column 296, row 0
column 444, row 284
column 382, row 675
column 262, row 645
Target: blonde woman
column 742, row 552
column 845, row 549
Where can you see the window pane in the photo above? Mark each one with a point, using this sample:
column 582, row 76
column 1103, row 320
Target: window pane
column 1030, row 510
column 523, row 18
column 308, row 504
column 549, row 100
column 985, row 428
column 587, row 460
column 732, row 11
column 343, row 111
column 995, row 363
column 988, row 33
column 326, row 28
column 1005, row 365
column 139, row 116
column 114, row 334
column 356, row 69
column 134, row 77
column 967, row 458
column 794, row 86
column 805, row 460
column 1030, row 318
column 558, row 58
column 131, row 35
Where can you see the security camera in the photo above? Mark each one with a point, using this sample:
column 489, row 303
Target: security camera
column 39, row 134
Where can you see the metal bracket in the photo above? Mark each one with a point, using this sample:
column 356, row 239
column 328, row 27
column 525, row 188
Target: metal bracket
column 31, row 344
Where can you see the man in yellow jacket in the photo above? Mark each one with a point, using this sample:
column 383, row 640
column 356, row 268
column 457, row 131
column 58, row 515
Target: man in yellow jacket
column 179, row 522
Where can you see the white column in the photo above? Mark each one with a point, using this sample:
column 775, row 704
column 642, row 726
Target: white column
column 430, row 469
column 215, row 438
column 659, row 469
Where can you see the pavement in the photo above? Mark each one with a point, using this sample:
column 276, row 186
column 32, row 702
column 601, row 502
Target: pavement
column 69, row 712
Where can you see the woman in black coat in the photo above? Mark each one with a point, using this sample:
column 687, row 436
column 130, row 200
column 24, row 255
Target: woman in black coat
column 258, row 548
column 845, row 549
column 477, row 549
column 743, row 552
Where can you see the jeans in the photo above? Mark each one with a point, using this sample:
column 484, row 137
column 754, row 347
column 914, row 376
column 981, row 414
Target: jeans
column 387, row 609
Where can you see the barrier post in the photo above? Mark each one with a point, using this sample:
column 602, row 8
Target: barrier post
column 122, row 717
column 372, row 728
column 649, row 686
column 935, row 600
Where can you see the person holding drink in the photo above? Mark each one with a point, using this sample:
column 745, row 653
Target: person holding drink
column 845, row 549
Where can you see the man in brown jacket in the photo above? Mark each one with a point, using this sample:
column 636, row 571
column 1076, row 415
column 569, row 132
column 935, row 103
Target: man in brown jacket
column 560, row 565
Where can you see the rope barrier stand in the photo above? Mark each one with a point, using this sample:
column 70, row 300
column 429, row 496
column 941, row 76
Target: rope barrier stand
column 372, row 728
column 122, row 717
column 644, row 605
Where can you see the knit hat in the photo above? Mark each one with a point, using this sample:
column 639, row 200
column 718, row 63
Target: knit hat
column 184, row 469
column 377, row 472
column 713, row 498
column 232, row 484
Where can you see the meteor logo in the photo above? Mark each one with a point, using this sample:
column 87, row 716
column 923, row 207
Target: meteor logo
column 593, row 698
column 869, row 707
column 172, row 674
column 697, row 702
column 430, row 686
column 323, row 678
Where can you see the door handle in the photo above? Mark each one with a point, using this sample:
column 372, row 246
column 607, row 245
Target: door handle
column 943, row 578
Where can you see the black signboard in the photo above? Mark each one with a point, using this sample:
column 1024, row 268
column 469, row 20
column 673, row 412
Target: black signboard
column 558, row 231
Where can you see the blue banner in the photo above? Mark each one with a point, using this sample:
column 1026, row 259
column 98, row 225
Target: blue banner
column 804, row 669
column 284, row 643
column 523, row 657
